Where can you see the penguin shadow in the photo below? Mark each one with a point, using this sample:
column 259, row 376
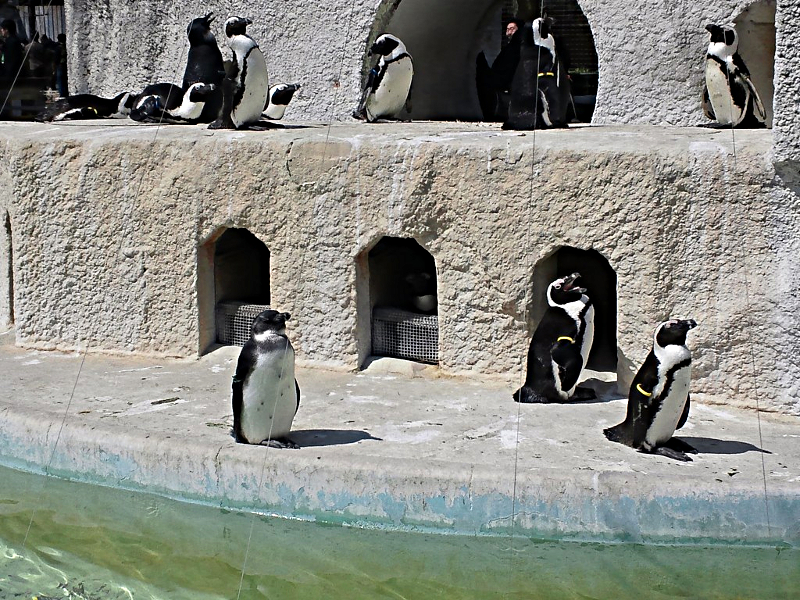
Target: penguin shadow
column 705, row 445
column 605, row 391
column 263, row 125
column 310, row 438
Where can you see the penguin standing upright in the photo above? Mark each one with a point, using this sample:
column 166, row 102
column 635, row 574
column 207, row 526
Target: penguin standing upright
column 540, row 90
column 560, row 346
column 247, row 82
column 388, row 87
column 729, row 96
column 204, row 64
column 265, row 392
column 278, row 99
column 658, row 402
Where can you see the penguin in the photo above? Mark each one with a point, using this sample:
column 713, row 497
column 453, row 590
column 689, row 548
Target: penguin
column 278, row 99
column 658, row 402
column 204, row 64
column 729, row 96
column 247, row 82
column 540, row 90
column 266, row 395
column 153, row 108
column 388, row 88
column 168, row 95
column 87, row 106
column 560, row 346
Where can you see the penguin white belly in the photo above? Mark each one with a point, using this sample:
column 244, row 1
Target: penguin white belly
column 719, row 94
column 666, row 420
column 269, row 397
column 392, row 92
column 256, row 85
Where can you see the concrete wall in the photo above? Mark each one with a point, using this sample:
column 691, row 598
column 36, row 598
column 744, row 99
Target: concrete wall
column 650, row 53
column 111, row 224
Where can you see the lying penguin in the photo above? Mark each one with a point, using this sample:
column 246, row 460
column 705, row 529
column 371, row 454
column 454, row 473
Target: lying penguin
column 246, row 81
column 388, row 88
column 87, row 106
column 540, row 90
column 560, row 346
column 265, row 392
column 278, row 99
column 658, row 402
column 167, row 103
column 729, row 96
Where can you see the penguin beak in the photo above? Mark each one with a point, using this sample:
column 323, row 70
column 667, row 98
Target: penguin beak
column 569, row 283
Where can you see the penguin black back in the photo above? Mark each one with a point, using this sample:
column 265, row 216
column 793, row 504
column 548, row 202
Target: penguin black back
column 204, row 64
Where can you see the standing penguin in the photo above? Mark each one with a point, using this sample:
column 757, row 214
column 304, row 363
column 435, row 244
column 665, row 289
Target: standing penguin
column 540, row 90
column 560, row 346
column 388, row 87
column 265, row 393
column 278, row 99
column 658, row 402
column 729, row 96
column 204, row 64
column 247, row 82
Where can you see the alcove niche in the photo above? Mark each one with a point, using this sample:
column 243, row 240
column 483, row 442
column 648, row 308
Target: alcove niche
column 403, row 306
column 600, row 282
column 233, row 286
column 445, row 37
column 755, row 26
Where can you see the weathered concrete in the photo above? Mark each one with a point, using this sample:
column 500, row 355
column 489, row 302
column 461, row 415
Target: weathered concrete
column 650, row 52
column 401, row 452
column 111, row 223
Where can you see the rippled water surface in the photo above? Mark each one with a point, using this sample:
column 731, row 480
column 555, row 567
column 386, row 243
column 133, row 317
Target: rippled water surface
column 87, row 542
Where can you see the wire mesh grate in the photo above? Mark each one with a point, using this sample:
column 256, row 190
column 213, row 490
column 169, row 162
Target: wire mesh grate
column 403, row 334
column 234, row 320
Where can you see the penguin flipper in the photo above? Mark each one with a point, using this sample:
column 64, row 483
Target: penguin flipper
column 708, row 110
column 236, row 404
column 297, row 391
column 758, row 107
column 684, row 414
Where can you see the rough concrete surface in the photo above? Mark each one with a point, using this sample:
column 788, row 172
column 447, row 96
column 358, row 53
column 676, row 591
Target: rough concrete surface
column 383, row 448
column 110, row 223
column 650, row 52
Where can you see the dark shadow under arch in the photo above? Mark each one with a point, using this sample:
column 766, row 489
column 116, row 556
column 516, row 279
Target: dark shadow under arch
column 755, row 26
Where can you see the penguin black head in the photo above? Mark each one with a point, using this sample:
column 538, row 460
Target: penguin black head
column 237, row 26
column 673, row 332
column 563, row 291
column 385, row 45
column 200, row 92
column 723, row 35
column 543, row 25
column 199, row 30
column 269, row 321
column 282, row 93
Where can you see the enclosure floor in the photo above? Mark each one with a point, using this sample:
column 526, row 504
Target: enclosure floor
column 402, row 438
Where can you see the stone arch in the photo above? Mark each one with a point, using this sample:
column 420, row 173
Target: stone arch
column 397, row 300
column 600, row 280
column 755, row 26
column 233, row 285
column 445, row 37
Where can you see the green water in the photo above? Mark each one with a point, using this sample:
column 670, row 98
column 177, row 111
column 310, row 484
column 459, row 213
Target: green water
column 92, row 543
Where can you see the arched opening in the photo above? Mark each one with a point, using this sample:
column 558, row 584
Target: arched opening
column 755, row 27
column 445, row 37
column 403, row 303
column 600, row 281
column 6, row 275
column 233, row 286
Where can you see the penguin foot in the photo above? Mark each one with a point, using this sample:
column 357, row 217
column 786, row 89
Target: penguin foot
column 526, row 395
column 670, row 453
column 679, row 445
column 359, row 114
column 221, row 124
column 583, row 393
column 284, row 442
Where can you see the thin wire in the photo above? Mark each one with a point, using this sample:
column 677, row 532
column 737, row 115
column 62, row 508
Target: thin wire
column 750, row 312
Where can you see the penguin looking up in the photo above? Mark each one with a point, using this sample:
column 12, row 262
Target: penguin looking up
column 560, row 346
column 87, row 106
column 265, row 392
column 658, row 402
column 247, row 81
column 540, row 90
column 729, row 96
column 278, row 99
column 388, row 87
column 204, row 64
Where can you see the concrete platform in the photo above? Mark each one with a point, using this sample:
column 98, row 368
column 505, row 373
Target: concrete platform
column 399, row 447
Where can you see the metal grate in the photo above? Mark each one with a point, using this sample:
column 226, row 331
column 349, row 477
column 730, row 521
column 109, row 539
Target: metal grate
column 234, row 320
column 402, row 334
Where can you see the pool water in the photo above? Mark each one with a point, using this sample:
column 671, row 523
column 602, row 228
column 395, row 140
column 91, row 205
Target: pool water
column 93, row 543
